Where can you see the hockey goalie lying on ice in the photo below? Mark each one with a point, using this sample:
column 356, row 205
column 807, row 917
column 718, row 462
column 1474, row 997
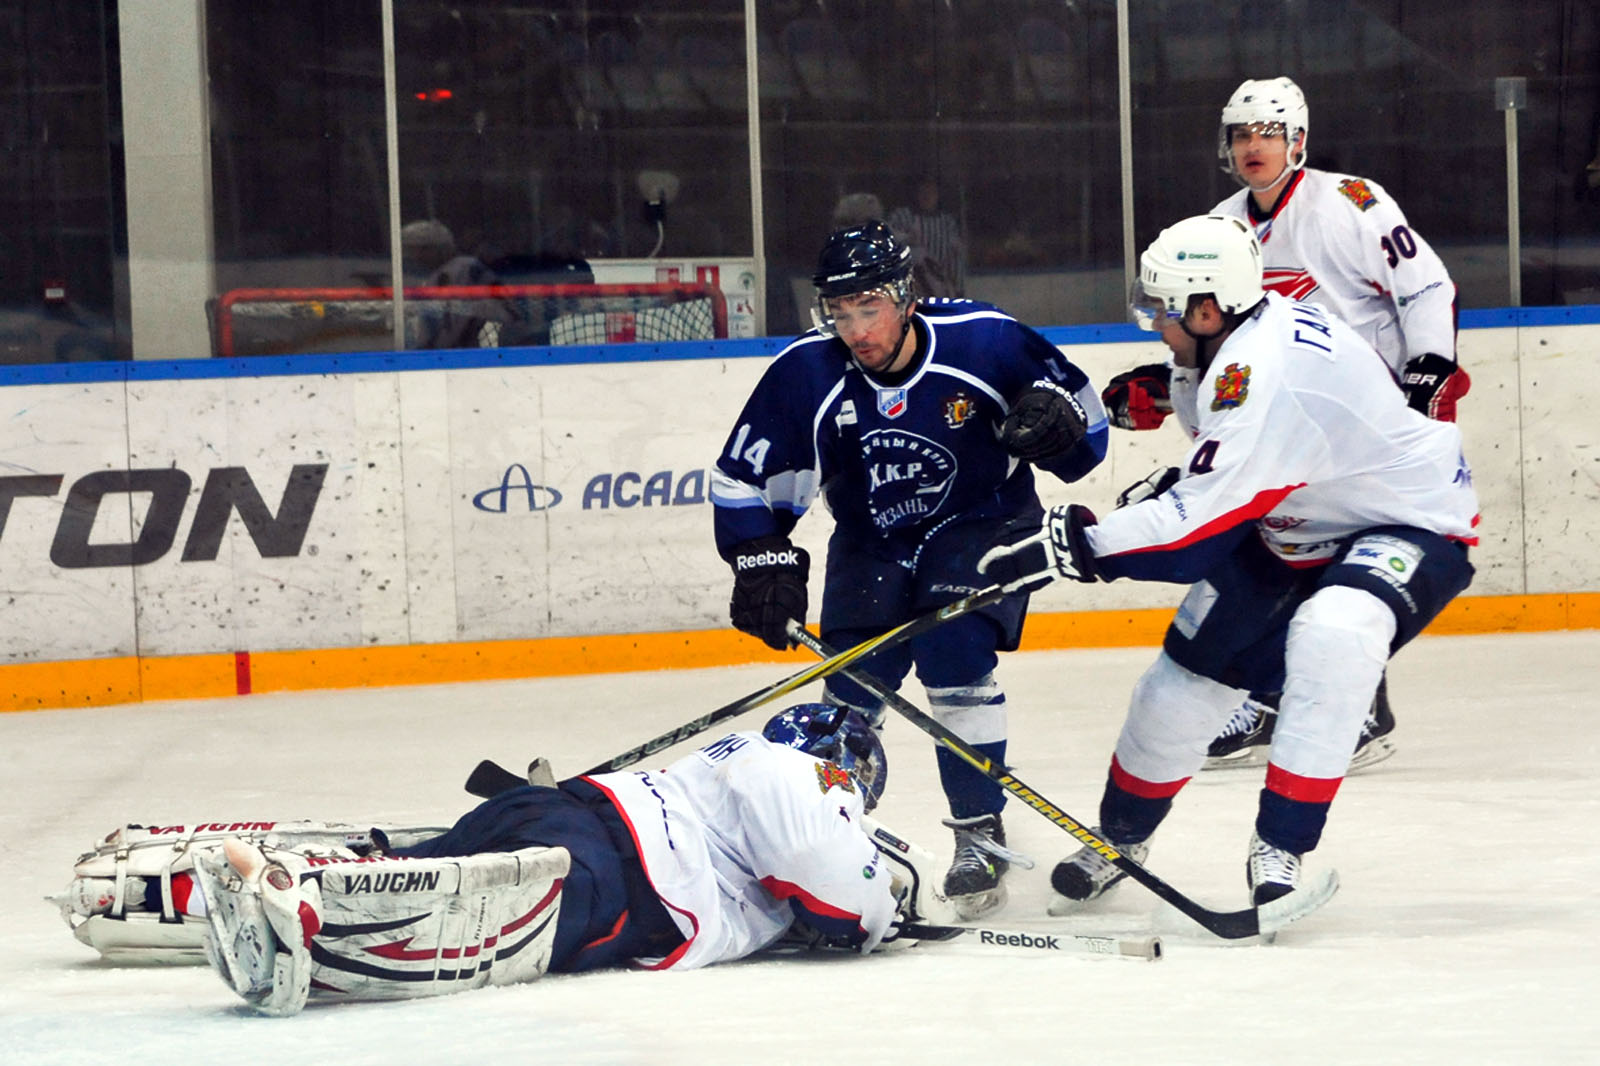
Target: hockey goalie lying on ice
column 753, row 839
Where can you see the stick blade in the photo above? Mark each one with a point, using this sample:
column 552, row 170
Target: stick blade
column 488, row 779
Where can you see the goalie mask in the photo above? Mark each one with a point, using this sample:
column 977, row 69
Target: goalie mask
column 840, row 736
column 1205, row 255
column 1276, row 107
column 858, row 260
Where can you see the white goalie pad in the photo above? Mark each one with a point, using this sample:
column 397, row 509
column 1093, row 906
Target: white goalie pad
column 105, row 906
column 285, row 926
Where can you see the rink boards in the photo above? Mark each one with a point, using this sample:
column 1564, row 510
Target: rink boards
column 201, row 528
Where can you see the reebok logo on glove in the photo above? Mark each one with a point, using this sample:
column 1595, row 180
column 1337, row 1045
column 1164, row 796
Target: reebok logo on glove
column 769, row 588
column 788, row 557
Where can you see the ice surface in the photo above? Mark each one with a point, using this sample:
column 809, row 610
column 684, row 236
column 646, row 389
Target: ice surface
column 1465, row 931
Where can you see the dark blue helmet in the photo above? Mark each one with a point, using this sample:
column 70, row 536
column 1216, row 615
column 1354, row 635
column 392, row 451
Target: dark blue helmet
column 839, row 735
column 860, row 259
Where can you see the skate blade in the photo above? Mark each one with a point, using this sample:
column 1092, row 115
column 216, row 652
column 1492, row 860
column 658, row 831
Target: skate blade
column 977, row 904
column 1296, row 905
column 1061, row 906
column 1377, row 750
column 1243, row 759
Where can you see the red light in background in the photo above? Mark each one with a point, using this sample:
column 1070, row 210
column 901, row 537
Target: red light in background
column 432, row 95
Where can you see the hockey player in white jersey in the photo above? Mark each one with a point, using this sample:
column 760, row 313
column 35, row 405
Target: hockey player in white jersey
column 1341, row 242
column 1321, row 523
column 709, row 859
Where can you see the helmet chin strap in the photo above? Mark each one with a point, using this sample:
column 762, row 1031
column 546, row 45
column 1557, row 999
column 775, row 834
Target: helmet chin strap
column 1263, row 188
column 905, row 328
column 1201, row 359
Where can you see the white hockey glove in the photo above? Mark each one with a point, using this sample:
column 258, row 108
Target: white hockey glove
column 1154, row 485
column 1058, row 550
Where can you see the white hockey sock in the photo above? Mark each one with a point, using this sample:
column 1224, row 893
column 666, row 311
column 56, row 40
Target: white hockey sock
column 1338, row 648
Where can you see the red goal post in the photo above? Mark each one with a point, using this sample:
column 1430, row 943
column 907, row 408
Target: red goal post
column 312, row 320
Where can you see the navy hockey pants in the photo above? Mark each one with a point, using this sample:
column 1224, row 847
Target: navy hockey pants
column 609, row 912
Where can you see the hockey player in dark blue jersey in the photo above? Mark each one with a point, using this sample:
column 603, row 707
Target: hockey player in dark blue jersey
column 919, row 424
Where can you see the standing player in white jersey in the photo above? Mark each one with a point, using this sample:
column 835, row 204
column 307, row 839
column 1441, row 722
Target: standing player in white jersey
column 1321, row 524
column 1341, row 242
column 709, row 859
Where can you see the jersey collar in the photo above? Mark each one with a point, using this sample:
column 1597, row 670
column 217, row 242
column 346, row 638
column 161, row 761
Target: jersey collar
column 1257, row 216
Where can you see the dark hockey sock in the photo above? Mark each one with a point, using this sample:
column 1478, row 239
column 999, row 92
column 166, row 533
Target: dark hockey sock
column 971, row 793
column 1293, row 825
column 1127, row 818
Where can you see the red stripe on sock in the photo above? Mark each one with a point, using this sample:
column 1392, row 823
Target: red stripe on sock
column 241, row 672
column 1142, row 788
column 1301, row 789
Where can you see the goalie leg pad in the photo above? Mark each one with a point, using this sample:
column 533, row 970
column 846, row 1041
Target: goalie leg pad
column 283, row 924
column 397, row 928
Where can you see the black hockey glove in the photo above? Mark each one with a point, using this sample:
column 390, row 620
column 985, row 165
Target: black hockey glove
column 1140, row 398
column 1433, row 384
column 1045, row 421
column 1058, row 550
column 1154, row 485
column 769, row 588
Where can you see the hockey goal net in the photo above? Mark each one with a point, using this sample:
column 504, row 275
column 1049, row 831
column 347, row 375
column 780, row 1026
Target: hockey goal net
column 299, row 321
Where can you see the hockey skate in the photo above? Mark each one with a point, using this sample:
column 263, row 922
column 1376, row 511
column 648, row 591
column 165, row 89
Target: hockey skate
column 1087, row 875
column 974, row 884
column 1276, row 888
column 1375, row 745
column 1245, row 739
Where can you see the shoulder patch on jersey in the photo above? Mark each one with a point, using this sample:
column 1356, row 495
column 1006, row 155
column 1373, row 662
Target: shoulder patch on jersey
column 831, row 774
column 1232, row 387
column 1356, row 191
column 958, row 409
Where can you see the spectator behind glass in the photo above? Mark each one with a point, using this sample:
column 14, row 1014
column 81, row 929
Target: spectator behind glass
column 938, row 249
column 429, row 253
column 856, row 209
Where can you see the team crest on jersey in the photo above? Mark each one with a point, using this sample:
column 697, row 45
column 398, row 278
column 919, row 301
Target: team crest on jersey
column 1355, row 190
column 830, row 775
column 1232, row 387
column 958, row 409
column 1292, row 282
column 891, row 402
column 908, row 477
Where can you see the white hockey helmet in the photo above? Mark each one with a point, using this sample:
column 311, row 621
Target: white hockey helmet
column 1266, row 101
column 1215, row 254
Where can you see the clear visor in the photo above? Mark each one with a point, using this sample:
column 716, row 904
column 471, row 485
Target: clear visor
column 1242, row 132
column 857, row 308
column 1148, row 311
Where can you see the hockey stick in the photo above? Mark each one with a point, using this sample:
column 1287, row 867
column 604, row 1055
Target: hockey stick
column 1010, row 940
column 1230, row 925
column 832, row 663
column 488, row 779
